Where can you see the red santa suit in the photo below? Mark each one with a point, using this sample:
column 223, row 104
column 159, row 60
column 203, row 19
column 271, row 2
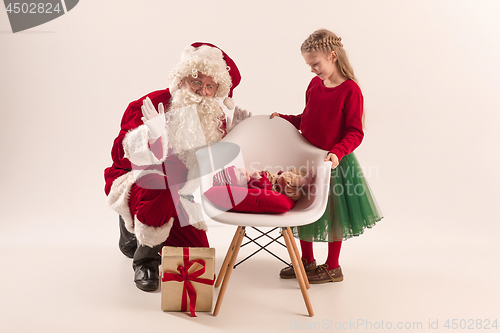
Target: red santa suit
column 137, row 184
column 144, row 180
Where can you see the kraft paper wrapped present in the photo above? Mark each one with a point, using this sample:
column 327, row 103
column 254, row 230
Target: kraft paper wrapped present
column 187, row 282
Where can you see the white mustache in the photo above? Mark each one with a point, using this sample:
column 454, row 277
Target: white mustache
column 184, row 97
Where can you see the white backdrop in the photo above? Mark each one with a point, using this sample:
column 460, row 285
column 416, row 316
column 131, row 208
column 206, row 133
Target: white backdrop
column 429, row 71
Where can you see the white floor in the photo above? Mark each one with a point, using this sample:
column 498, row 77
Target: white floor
column 56, row 278
column 429, row 73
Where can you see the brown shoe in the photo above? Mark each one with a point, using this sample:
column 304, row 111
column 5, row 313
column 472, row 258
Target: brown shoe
column 289, row 273
column 322, row 275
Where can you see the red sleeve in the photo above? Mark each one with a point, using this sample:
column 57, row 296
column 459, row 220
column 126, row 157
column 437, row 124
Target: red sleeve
column 294, row 120
column 353, row 108
column 132, row 119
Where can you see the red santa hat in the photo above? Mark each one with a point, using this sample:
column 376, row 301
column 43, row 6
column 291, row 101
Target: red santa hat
column 226, row 177
column 209, row 60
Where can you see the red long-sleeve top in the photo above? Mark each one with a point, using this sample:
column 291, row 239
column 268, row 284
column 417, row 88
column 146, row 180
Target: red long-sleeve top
column 332, row 117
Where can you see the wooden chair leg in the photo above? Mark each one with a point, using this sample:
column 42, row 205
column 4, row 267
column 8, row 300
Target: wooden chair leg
column 299, row 259
column 229, row 270
column 298, row 274
column 229, row 253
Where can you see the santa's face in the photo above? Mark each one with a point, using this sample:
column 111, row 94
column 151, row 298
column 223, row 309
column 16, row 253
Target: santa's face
column 202, row 85
column 193, row 121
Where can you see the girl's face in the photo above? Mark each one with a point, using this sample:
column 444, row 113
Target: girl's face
column 322, row 64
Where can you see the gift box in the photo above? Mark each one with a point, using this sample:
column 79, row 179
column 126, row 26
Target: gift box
column 187, row 281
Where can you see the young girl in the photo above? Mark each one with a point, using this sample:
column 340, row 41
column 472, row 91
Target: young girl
column 333, row 120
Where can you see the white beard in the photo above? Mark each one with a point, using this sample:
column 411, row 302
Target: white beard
column 193, row 121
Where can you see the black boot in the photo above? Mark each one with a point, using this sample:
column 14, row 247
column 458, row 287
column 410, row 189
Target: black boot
column 127, row 242
column 146, row 267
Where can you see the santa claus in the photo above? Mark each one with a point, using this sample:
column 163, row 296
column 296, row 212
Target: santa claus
column 154, row 171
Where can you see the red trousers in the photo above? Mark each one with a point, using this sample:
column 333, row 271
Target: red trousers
column 153, row 201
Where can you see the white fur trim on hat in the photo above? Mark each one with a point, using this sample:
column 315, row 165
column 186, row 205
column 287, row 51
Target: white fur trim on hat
column 229, row 103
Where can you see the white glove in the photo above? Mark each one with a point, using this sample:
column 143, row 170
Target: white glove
column 238, row 116
column 154, row 121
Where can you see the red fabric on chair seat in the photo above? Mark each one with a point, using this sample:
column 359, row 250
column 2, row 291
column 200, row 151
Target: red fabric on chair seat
column 244, row 200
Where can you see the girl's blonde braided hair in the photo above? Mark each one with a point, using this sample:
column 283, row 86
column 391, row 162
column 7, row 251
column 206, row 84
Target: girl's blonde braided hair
column 323, row 40
column 326, row 41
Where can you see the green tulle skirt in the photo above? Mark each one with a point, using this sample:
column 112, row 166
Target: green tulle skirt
column 351, row 206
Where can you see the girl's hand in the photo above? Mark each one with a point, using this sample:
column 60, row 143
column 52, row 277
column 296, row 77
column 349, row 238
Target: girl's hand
column 274, row 114
column 334, row 159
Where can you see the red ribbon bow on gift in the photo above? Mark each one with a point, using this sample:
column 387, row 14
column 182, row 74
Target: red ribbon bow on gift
column 187, row 278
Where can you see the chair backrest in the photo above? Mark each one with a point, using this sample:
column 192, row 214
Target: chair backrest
column 261, row 143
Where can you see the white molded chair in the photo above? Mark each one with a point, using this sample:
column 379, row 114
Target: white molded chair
column 261, row 143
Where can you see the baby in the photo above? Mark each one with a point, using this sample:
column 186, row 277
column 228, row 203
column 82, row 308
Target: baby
column 289, row 183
